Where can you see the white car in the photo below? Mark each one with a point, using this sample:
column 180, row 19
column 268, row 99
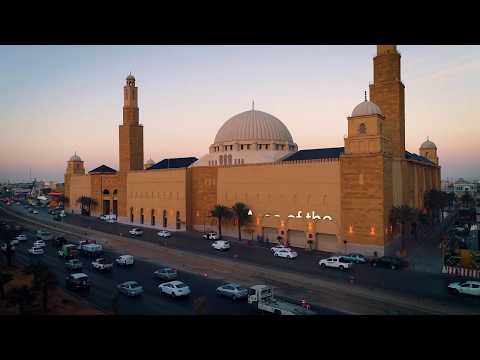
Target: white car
column 36, row 251
column 35, row 212
column 130, row 288
column 103, row 217
column 39, row 243
column 21, row 237
column 14, row 242
column 278, row 247
column 338, row 262
column 221, row 245
column 285, row 253
column 212, row 235
column 466, row 288
column 124, row 260
column 164, row 233
column 62, row 214
column 174, row 288
column 136, row 232
column 111, row 221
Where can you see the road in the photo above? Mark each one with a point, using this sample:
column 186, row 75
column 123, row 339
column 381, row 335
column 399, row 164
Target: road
column 103, row 286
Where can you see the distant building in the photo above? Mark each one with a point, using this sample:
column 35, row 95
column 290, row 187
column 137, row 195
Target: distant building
column 462, row 186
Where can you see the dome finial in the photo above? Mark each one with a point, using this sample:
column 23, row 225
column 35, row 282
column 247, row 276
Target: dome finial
column 253, row 105
column 365, row 95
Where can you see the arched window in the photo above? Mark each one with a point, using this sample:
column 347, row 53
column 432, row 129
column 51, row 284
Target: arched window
column 177, row 220
column 141, row 216
column 106, row 192
column 115, row 192
column 131, row 214
column 153, row 217
column 220, row 159
column 362, row 129
column 229, row 159
column 165, row 218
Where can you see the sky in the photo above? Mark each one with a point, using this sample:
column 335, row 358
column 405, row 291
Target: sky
column 57, row 100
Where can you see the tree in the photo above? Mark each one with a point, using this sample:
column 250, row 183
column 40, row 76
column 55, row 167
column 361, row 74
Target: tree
column 21, row 296
column 4, row 279
column 240, row 211
column 466, row 199
column 7, row 234
column 221, row 212
column 87, row 203
column 43, row 280
column 404, row 215
column 82, row 200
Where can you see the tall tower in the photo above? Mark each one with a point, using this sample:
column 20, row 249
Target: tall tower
column 429, row 151
column 75, row 167
column 130, row 132
column 388, row 92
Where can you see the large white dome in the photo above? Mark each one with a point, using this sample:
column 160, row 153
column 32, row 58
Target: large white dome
column 366, row 108
column 253, row 125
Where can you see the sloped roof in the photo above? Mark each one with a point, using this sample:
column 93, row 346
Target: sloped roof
column 103, row 169
column 174, row 163
column 413, row 156
column 314, row 154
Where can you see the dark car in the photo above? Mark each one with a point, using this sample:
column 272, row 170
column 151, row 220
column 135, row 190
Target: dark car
column 77, row 281
column 57, row 218
column 391, row 262
column 60, row 241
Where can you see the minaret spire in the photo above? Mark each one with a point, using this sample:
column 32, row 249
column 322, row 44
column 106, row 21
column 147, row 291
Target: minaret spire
column 365, row 95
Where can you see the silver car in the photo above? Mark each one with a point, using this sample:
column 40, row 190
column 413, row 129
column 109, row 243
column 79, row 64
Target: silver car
column 234, row 291
column 166, row 274
column 130, row 288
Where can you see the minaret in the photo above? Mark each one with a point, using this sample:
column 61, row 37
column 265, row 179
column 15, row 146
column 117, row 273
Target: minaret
column 130, row 132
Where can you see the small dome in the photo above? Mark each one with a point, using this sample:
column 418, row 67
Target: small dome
column 75, row 157
column 428, row 145
column 150, row 162
column 130, row 77
column 253, row 125
column 366, row 108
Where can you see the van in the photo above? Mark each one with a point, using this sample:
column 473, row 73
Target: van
column 124, row 260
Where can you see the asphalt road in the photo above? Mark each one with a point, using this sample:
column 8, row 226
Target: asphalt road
column 400, row 282
column 103, row 288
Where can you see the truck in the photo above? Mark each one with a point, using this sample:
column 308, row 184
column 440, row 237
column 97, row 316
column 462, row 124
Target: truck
column 261, row 296
column 102, row 265
column 92, row 250
column 68, row 251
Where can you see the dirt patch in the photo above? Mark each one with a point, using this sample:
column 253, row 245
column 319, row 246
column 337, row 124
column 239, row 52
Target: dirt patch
column 59, row 303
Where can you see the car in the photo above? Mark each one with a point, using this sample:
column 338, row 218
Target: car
column 164, row 233
column 60, row 241
column 36, row 250
column 136, row 232
column 102, row 265
column 57, row 218
column 391, row 262
column 39, row 243
column 103, row 217
column 18, row 227
column 124, row 260
column 285, row 253
column 73, row 264
column 338, row 262
column 44, row 235
column 14, row 242
column 77, row 281
column 166, row 274
column 174, row 288
column 221, row 245
column 21, row 237
column 211, row 235
column 277, row 247
column 465, row 288
column 356, row 258
column 233, row 291
column 111, row 221
column 3, row 247
column 130, row 288
column 35, row 212
column 62, row 213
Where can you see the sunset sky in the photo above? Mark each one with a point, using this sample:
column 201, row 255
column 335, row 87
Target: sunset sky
column 57, row 100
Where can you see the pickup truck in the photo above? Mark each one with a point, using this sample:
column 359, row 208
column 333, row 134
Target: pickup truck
column 261, row 296
column 102, row 265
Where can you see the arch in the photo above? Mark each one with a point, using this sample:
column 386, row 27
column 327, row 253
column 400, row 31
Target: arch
column 177, row 220
column 141, row 216
column 152, row 217
column 362, row 128
column 165, row 219
column 131, row 214
column 229, row 159
column 220, row 159
column 115, row 192
column 106, row 192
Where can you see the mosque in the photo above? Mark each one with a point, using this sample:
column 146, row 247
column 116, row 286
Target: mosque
column 331, row 199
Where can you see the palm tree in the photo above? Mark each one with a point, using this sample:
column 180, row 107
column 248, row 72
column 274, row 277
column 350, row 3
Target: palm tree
column 221, row 212
column 82, row 200
column 404, row 215
column 4, row 279
column 21, row 296
column 7, row 234
column 43, row 279
column 240, row 211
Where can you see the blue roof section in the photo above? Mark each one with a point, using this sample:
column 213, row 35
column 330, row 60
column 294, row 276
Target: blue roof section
column 413, row 156
column 314, row 154
column 174, row 163
column 104, row 169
